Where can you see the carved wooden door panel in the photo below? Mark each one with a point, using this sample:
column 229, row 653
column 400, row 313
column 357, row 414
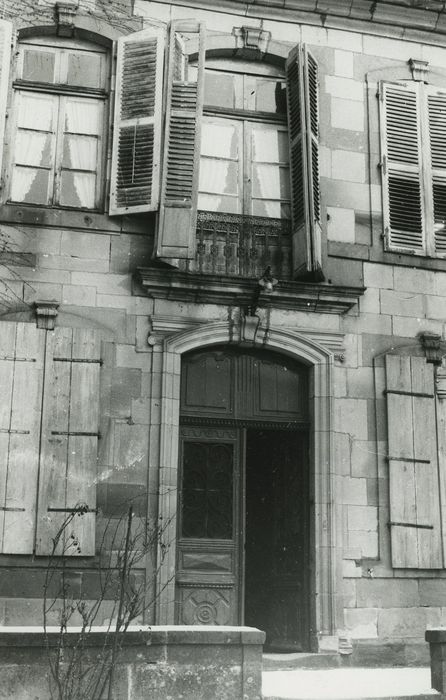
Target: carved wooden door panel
column 208, row 526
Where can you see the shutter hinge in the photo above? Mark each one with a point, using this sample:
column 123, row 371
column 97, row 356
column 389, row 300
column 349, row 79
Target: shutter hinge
column 417, row 394
column 15, row 432
column 83, row 361
column 383, row 165
column 421, row 527
column 75, row 433
column 413, row 460
column 79, row 509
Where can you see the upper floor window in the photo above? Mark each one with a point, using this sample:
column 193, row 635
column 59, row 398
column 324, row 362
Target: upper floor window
column 244, row 162
column 183, row 137
column 414, row 167
column 59, row 110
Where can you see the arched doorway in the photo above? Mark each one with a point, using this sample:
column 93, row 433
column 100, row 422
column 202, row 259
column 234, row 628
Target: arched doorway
column 243, row 535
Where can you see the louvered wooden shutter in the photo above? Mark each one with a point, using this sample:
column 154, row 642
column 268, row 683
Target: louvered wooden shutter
column 415, row 514
column 303, row 125
column 5, row 67
column 21, row 377
column 69, row 441
column 436, row 103
column 403, row 201
column 178, row 208
column 135, row 175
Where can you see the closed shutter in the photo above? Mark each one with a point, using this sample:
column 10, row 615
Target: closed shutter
column 436, row 104
column 135, row 175
column 303, row 125
column 179, row 191
column 69, row 441
column 404, row 208
column 5, row 66
column 21, row 378
column 415, row 513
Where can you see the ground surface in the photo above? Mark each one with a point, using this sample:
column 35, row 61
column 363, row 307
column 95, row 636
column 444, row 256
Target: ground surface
column 348, row 684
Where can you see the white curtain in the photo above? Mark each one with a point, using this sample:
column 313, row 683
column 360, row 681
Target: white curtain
column 22, row 180
column 82, row 120
column 33, row 148
column 218, row 176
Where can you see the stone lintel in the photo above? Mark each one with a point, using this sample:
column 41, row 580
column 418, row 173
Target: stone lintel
column 163, row 325
column 436, row 636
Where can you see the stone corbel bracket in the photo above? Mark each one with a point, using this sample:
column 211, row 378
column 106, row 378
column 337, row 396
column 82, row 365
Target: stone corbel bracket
column 46, row 314
column 419, row 70
column 252, row 38
column 433, row 347
column 65, row 15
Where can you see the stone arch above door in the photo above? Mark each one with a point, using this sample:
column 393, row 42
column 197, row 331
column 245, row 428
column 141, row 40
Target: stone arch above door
column 167, row 367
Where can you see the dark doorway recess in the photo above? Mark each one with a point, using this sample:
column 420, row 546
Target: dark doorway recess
column 276, row 537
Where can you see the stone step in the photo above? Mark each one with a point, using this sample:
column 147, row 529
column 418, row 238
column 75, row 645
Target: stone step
column 288, row 662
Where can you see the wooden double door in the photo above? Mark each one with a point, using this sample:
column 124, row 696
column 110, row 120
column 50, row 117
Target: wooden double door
column 243, row 553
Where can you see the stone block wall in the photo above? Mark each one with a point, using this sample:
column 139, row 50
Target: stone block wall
column 88, row 265
column 194, row 663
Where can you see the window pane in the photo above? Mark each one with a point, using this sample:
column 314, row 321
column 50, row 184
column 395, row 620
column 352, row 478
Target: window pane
column 271, row 209
column 77, row 189
column 33, row 148
column 207, row 489
column 84, row 69
column 38, row 65
column 219, row 140
column 270, row 96
column 269, row 146
column 219, row 90
column 80, row 152
column 270, row 182
column 213, row 202
column 219, row 176
column 83, row 116
column 36, row 112
column 29, row 185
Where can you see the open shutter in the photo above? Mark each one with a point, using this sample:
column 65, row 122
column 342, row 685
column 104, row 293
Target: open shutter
column 5, row 66
column 415, row 514
column 404, row 215
column 179, row 191
column 135, row 174
column 436, row 104
column 69, row 441
column 303, row 125
column 21, row 377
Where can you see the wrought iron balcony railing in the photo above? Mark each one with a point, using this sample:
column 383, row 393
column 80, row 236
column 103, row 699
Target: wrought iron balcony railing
column 233, row 244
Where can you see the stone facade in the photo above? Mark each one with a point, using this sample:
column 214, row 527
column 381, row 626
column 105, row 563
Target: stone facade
column 100, row 271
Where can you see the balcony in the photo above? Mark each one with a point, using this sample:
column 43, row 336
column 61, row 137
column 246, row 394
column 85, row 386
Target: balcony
column 237, row 245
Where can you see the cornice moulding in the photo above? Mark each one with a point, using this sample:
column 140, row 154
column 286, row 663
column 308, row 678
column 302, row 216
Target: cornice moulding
column 233, row 291
column 423, row 19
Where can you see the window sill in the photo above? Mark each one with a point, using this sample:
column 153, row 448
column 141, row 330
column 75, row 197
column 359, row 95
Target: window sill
column 60, row 218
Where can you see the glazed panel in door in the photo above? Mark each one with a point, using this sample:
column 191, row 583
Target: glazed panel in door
column 208, row 527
